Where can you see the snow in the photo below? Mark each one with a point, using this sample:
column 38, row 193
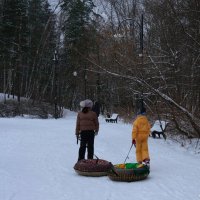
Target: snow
column 157, row 126
column 37, row 158
column 4, row 97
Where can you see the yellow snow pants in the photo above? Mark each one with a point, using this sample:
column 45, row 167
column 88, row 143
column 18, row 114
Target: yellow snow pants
column 142, row 151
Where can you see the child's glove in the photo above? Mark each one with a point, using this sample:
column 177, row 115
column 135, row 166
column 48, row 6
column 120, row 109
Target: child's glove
column 78, row 137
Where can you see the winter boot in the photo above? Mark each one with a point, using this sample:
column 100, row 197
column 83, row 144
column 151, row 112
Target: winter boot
column 147, row 162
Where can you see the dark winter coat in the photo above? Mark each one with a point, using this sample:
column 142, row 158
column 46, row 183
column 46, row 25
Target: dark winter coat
column 87, row 121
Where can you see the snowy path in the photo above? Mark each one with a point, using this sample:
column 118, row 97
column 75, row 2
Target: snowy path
column 37, row 159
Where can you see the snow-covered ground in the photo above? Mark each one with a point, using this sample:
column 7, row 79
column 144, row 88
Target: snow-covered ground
column 37, row 158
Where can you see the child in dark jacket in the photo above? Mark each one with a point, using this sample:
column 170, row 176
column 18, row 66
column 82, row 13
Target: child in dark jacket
column 87, row 126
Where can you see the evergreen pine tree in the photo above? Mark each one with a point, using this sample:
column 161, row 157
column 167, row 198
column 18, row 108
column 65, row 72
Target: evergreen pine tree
column 76, row 26
column 13, row 31
column 77, row 40
column 41, row 45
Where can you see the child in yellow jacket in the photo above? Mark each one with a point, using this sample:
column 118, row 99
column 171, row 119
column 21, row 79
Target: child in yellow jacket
column 140, row 134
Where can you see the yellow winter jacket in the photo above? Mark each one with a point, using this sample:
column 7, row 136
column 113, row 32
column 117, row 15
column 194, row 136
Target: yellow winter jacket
column 141, row 127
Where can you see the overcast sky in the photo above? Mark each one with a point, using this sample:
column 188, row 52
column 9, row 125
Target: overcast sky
column 53, row 2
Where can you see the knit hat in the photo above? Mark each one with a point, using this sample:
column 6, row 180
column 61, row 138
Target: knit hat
column 86, row 103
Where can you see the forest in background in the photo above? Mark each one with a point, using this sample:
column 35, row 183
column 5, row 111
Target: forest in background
column 142, row 51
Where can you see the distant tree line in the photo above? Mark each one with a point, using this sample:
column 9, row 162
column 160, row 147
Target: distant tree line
column 163, row 71
column 121, row 61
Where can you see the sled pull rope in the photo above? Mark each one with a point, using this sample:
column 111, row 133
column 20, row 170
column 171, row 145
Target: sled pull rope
column 97, row 159
column 128, row 153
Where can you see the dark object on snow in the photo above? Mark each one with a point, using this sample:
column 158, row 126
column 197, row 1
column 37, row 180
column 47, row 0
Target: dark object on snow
column 96, row 108
column 129, row 172
column 159, row 128
column 93, row 167
column 154, row 133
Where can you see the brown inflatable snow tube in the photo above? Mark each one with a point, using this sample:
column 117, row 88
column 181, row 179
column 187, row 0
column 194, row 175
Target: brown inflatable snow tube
column 92, row 167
